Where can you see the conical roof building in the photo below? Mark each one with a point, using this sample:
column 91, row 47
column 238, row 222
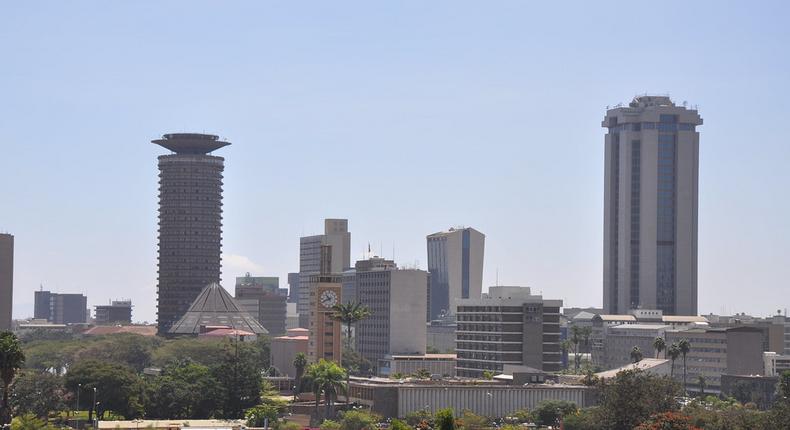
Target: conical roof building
column 215, row 307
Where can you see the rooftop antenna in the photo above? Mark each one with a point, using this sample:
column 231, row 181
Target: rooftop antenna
column 497, row 276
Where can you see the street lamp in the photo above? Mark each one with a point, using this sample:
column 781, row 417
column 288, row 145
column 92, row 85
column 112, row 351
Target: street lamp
column 79, row 388
column 95, row 408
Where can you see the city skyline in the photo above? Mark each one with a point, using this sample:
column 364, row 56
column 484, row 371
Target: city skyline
column 469, row 121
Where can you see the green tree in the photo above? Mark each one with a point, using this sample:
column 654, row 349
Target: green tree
column 238, row 376
column 576, row 337
column 659, row 344
column 117, row 388
column 38, row 393
column 471, row 421
column 183, row 390
column 11, row 360
column 399, row 425
column 422, row 374
column 674, row 352
column 30, row 422
column 487, row 374
column 632, row 396
column 330, row 425
column 685, row 347
column 349, row 314
column 300, row 362
column 550, row 412
column 206, row 351
column 259, row 416
column 358, row 420
column 444, row 420
column 636, row 355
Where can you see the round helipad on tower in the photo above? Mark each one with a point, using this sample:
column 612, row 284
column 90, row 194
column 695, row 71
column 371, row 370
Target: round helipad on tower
column 190, row 143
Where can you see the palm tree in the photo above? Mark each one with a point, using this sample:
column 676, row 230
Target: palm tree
column 329, row 378
column 349, row 313
column 576, row 337
column 300, row 362
column 674, row 353
column 636, row 355
column 659, row 344
column 314, row 379
column 11, row 359
column 334, row 382
column 685, row 346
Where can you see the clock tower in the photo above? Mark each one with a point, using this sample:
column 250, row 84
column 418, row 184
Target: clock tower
column 325, row 333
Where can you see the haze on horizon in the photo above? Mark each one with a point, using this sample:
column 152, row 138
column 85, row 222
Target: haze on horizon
column 405, row 118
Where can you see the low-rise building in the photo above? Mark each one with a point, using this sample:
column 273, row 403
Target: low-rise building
column 284, row 349
column 392, row 398
column 620, row 341
column 441, row 334
column 117, row 312
column 716, row 352
column 442, row 365
column 508, row 325
column 775, row 364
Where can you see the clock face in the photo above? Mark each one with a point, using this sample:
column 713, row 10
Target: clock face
column 328, row 299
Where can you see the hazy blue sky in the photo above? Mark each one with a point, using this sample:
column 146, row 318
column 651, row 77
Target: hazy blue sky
column 405, row 117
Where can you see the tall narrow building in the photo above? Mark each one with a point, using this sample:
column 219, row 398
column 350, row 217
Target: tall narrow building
column 650, row 207
column 6, row 279
column 190, row 222
column 455, row 262
column 336, row 236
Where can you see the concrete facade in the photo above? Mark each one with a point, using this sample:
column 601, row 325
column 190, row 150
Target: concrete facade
column 394, row 297
column 338, row 238
column 620, row 341
column 508, row 325
column 650, row 207
column 261, row 298
column 441, row 335
column 60, row 308
column 285, row 348
column 393, row 399
column 775, row 364
column 455, row 261
column 190, row 222
column 435, row 364
column 117, row 312
column 718, row 351
column 6, row 279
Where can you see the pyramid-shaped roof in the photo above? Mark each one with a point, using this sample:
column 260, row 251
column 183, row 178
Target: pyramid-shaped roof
column 215, row 307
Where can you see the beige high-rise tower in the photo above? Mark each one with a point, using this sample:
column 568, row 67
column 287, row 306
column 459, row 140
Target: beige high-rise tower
column 650, row 207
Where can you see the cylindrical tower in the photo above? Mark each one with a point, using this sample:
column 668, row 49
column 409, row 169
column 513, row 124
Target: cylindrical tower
column 190, row 222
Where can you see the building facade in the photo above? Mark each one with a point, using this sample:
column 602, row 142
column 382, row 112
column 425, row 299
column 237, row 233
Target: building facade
column 455, row 262
column 394, row 297
column 650, row 207
column 61, row 308
column 716, row 352
column 325, row 334
column 338, row 238
column 6, row 279
column 190, row 222
column 508, row 325
column 262, row 299
column 117, row 312
column 285, row 348
column 293, row 287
